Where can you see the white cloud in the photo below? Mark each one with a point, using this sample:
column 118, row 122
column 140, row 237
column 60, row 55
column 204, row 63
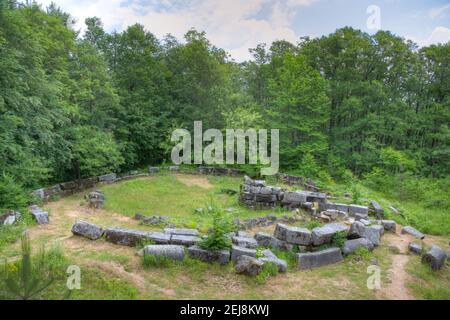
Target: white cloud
column 233, row 24
column 438, row 12
column 438, row 35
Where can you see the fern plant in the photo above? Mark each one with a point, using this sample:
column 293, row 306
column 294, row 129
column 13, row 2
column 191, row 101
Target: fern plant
column 30, row 279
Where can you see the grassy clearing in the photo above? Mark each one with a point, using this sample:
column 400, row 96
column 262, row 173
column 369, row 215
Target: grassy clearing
column 167, row 195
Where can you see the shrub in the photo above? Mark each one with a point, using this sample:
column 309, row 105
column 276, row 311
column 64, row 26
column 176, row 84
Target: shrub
column 339, row 239
column 218, row 238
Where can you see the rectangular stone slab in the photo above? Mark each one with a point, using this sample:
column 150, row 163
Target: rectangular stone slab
column 236, row 252
column 317, row 259
column 185, row 232
column 184, row 240
column 220, row 256
column 245, row 242
column 321, row 235
column 125, row 237
column 169, row 251
column 87, row 230
column 159, row 237
column 294, row 235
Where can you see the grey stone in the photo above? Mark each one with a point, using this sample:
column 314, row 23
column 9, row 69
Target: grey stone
column 169, row 251
column 335, row 214
column 435, row 257
column 317, row 259
column 184, row 232
column 174, row 168
column 40, row 216
column 50, row 191
column 39, row 193
column 9, row 220
column 125, row 237
column 237, row 251
column 110, row 177
column 354, row 209
column 294, row 235
column 248, row 265
column 389, row 225
column 415, row 248
column 280, row 263
column 184, row 240
column 324, row 206
column 259, row 183
column 373, row 233
column 269, row 256
column 243, row 234
column 365, row 222
column 96, row 199
column 412, row 231
column 159, row 237
column 265, row 240
column 153, row 169
column 155, row 220
column 351, row 246
column 360, row 216
column 324, row 234
column 220, row 256
column 357, row 230
column 245, row 242
column 377, row 209
column 87, row 230
column 294, row 198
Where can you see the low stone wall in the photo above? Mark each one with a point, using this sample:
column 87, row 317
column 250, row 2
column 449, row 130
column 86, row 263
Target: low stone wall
column 214, row 171
column 71, row 187
column 291, row 180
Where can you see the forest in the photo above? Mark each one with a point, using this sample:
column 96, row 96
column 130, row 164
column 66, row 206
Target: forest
column 349, row 105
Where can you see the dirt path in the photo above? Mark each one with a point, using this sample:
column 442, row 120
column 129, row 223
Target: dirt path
column 397, row 289
column 198, row 181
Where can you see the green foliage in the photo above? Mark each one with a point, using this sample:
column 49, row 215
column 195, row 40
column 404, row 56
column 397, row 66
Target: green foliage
column 12, row 195
column 361, row 254
column 313, row 224
column 339, row 239
column 28, row 279
column 94, row 152
column 269, row 269
column 218, row 237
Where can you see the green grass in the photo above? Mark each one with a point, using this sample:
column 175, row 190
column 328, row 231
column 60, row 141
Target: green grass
column 165, row 195
column 429, row 284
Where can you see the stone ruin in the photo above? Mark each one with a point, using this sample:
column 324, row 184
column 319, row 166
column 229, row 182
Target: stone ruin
column 216, row 171
column 255, row 194
column 95, row 199
column 291, row 180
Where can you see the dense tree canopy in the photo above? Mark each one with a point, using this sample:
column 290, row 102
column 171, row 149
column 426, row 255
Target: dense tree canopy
column 74, row 105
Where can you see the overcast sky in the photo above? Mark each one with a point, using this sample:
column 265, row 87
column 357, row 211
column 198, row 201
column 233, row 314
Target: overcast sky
column 237, row 25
